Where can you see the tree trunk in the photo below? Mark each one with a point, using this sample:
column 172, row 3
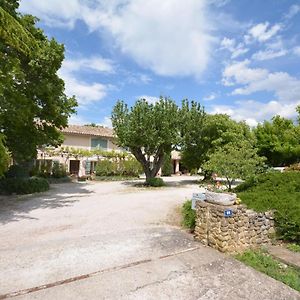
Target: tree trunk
column 158, row 160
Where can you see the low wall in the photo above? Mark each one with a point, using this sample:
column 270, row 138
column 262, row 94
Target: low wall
column 239, row 230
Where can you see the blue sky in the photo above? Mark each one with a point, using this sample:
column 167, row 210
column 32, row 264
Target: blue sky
column 236, row 57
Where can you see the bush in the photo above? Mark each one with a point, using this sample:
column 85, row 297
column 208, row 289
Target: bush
column 58, row 170
column 104, row 168
column 130, row 167
column 17, row 171
column 189, row 215
column 155, row 182
column 23, row 185
column 167, row 167
column 279, row 192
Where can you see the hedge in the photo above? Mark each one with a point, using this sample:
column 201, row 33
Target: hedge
column 23, row 185
column 279, row 192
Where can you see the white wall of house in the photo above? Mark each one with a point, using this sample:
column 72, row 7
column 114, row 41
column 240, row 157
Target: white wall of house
column 84, row 141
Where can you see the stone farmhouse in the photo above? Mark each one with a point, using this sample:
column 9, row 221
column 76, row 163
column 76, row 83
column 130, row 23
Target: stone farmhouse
column 87, row 138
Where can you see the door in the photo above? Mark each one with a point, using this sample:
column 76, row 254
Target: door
column 74, row 167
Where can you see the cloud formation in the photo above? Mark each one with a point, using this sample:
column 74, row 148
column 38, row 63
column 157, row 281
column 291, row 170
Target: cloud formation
column 156, row 34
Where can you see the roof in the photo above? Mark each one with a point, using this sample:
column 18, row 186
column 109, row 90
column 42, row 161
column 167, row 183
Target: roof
column 89, row 130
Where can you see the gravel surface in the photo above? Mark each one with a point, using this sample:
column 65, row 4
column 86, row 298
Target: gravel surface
column 113, row 240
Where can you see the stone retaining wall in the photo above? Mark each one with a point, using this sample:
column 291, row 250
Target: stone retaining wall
column 244, row 229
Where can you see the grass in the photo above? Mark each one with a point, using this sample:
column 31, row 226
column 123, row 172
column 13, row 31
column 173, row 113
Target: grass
column 279, row 192
column 263, row 262
column 293, row 247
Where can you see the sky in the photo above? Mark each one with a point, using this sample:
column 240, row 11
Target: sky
column 239, row 57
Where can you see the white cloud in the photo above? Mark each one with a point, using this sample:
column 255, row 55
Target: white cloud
column 296, row 50
column 268, row 54
column 156, row 34
column 150, row 99
column 254, row 112
column 235, row 49
column 294, row 10
column 283, row 86
column 78, row 120
column 263, row 31
column 238, row 72
column 96, row 64
column 85, row 92
column 106, row 122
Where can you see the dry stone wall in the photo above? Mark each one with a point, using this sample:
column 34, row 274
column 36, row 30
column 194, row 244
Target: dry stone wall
column 243, row 229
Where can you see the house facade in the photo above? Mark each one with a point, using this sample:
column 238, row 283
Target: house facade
column 78, row 137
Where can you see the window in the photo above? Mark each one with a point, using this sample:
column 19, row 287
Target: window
column 98, row 143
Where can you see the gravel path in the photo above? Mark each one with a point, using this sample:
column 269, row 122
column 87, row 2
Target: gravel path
column 77, row 240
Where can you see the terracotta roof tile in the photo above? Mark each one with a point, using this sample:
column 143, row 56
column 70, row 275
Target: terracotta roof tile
column 89, row 130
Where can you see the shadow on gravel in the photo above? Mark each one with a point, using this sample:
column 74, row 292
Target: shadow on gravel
column 177, row 183
column 14, row 208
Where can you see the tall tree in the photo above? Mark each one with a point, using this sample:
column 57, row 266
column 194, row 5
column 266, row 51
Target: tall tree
column 33, row 106
column 279, row 141
column 150, row 131
column 206, row 133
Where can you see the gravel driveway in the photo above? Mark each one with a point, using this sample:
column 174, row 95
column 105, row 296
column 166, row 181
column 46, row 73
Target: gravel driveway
column 114, row 240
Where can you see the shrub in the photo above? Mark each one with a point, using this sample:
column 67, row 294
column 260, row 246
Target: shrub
column 58, row 170
column 17, row 171
column 132, row 167
column 23, row 185
column 189, row 215
column 155, row 182
column 104, row 168
column 167, row 167
column 279, row 192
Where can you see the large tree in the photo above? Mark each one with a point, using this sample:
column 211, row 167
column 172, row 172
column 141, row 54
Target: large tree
column 33, row 106
column 206, row 133
column 279, row 141
column 149, row 131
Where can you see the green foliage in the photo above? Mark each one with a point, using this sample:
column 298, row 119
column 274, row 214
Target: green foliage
column 4, row 157
column 234, row 161
column 23, row 185
column 276, row 191
column 294, row 247
column 189, row 215
column 58, row 170
column 278, row 141
column 205, row 133
column 130, row 167
column 105, row 168
column 33, row 106
column 148, row 130
column 265, row 263
column 167, row 168
column 17, row 171
column 155, row 182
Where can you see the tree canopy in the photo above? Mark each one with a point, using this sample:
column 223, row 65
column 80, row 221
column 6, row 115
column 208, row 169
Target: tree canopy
column 206, row 133
column 234, row 160
column 33, row 106
column 148, row 130
column 279, row 141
